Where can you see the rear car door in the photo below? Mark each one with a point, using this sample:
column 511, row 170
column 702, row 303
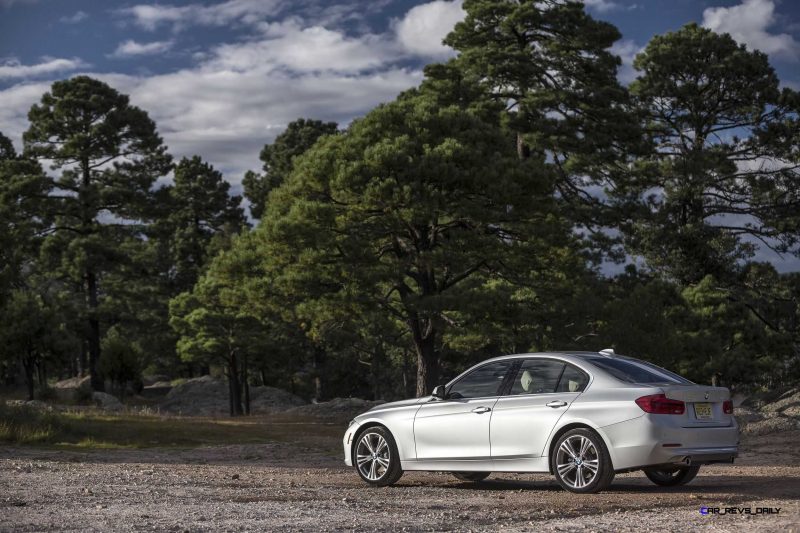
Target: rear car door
column 458, row 427
column 540, row 393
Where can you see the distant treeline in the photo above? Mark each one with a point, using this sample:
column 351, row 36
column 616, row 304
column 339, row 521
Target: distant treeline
column 475, row 215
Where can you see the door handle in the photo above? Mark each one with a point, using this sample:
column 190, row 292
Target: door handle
column 481, row 410
column 556, row 403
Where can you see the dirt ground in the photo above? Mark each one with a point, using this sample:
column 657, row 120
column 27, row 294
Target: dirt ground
column 286, row 486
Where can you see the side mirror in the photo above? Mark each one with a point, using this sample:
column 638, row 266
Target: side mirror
column 439, row 392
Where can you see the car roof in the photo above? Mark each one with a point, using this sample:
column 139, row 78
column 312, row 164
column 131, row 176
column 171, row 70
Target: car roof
column 563, row 354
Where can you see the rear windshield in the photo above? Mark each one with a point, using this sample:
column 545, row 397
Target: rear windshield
column 634, row 371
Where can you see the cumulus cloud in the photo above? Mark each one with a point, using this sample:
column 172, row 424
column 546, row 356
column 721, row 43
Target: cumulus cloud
column 239, row 95
column 9, row 3
column 151, row 16
column 12, row 68
column 749, row 23
column 75, row 18
column 423, row 27
column 627, row 50
column 601, row 5
column 287, row 45
column 131, row 48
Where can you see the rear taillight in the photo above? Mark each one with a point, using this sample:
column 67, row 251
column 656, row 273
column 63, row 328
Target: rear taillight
column 661, row 405
column 727, row 407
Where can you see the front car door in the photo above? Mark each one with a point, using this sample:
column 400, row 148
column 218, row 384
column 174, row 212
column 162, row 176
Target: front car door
column 457, row 428
column 540, row 393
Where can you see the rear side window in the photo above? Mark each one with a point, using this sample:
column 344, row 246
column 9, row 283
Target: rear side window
column 632, row 371
column 481, row 382
column 537, row 376
column 572, row 380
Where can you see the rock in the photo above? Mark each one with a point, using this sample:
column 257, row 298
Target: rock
column 208, row 396
column 69, row 390
column 32, row 404
column 235, row 476
column 106, row 401
column 789, row 400
column 339, row 408
column 771, row 424
column 153, row 379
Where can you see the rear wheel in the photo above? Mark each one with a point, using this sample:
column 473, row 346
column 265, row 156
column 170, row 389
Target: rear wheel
column 375, row 457
column 581, row 462
column 672, row 477
column 471, row 476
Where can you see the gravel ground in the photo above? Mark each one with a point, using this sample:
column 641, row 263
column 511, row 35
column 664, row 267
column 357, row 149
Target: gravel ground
column 291, row 487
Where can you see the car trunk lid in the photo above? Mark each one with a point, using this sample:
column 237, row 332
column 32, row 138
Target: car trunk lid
column 703, row 404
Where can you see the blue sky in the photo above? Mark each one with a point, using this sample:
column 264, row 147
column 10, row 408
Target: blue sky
column 221, row 78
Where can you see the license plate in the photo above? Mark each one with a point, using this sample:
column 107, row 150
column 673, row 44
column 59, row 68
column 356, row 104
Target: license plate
column 702, row 411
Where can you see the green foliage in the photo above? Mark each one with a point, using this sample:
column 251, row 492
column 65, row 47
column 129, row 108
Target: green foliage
column 278, row 158
column 408, row 213
column 121, row 360
column 109, row 156
column 722, row 172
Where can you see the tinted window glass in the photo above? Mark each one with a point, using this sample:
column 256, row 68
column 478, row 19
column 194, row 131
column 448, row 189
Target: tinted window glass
column 483, row 381
column 636, row 371
column 572, row 380
column 537, row 376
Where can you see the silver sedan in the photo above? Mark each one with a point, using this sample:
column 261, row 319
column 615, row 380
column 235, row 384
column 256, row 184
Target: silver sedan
column 581, row 416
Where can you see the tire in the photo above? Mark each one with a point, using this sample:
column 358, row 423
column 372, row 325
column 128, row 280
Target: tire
column 672, row 477
column 475, row 477
column 581, row 463
column 377, row 450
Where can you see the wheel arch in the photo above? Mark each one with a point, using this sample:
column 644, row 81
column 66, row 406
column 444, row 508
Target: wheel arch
column 570, row 426
column 365, row 426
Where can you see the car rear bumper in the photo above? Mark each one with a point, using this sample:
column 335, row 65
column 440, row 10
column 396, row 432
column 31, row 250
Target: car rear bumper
column 650, row 441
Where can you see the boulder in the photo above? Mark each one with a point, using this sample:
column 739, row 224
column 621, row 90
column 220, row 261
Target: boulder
column 208, row 396
column 337, row 409
column 106, row 401
column 67, row 390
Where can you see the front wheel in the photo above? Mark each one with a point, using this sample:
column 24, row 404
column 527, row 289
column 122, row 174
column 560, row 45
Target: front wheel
column 375, row 457
column 672, row 477
column 581, row 462
column 475, row 477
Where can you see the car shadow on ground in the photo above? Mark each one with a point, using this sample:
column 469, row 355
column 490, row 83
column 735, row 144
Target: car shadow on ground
column 741, row 486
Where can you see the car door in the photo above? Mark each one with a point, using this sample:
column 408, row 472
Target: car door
column 457, row 428
column 540, row 393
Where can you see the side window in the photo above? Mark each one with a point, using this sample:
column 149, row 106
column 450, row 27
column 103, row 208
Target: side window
column 572, row 380
column 537, row 376
column 483, row 381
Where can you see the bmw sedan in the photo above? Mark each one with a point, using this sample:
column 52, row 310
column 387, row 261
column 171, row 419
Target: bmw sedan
column 580, row 416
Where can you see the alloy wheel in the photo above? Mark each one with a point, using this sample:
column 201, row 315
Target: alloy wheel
column 577, row 461
column 373, row 456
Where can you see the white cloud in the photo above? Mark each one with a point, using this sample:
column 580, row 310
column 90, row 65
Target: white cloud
column 131, row 48
column 423, row 27
column 748, row 23
column 601, row 5
column 9, row 3
column 289, row 46
column 75, row 18
column 12, row 68
column 627, row 50
column 151, row 16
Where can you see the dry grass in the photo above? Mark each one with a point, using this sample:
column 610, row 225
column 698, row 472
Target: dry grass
column 96, row 429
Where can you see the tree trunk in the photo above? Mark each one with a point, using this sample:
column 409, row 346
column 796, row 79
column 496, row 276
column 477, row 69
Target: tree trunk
column 319, row 369
column 83, row 365
column 246, row 385
column 235, row 389
column 523, row 150
column 94, row 333
column 427, row 360
column 28, row 364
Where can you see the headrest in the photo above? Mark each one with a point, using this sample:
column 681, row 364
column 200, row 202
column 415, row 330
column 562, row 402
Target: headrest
column 526, row 381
